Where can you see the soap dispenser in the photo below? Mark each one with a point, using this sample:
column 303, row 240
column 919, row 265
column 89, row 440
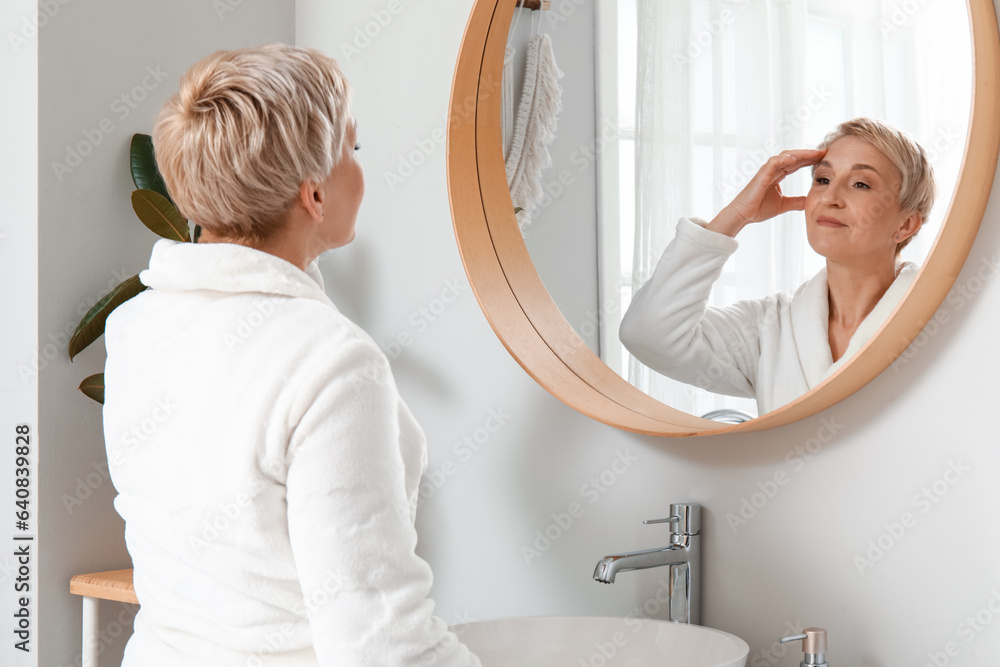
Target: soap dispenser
column 814, row 646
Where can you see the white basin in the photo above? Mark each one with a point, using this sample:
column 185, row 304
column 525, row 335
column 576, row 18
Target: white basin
column 582, row 641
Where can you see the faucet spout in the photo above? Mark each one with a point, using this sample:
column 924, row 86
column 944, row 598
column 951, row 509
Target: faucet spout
column 675, row 554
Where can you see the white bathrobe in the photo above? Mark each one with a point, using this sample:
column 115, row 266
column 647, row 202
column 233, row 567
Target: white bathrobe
column 773, row 349
column 267, row 472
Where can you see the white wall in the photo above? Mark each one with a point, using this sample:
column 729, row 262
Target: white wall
column 793, row 562
column 90, row 55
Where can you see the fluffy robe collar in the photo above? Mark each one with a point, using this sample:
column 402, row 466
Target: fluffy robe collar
column 227, row 267
column 810, row 312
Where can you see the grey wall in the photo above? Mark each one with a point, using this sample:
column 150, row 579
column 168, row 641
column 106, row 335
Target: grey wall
column 91, row 54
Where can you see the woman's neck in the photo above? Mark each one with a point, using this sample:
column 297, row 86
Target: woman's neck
column 854, row 291
column 281, row 244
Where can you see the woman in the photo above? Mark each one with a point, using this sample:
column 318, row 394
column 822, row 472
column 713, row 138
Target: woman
column 872, row 189
column 266, row 466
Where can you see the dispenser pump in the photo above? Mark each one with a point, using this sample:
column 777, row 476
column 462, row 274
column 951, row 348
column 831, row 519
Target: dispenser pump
column 814, row 646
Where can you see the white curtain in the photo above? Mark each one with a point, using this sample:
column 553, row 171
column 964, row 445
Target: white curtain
column 716, row 80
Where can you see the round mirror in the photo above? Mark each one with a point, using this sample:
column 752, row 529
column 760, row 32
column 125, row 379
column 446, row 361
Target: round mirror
column 517, row 303
column 689, row 108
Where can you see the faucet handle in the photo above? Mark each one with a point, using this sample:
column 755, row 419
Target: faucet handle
column 686, row 517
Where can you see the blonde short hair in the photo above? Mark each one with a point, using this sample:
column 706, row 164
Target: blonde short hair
column 918, row 189
column 245, row 130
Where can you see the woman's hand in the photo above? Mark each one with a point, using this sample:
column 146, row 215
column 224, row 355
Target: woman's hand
column 761, row 199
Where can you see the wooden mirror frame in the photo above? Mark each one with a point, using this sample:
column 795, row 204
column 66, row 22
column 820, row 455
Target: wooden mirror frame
column 537, row 335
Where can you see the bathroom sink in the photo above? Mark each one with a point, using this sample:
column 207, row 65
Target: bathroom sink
column 581, row 641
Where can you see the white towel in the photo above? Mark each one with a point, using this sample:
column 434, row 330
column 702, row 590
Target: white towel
column 535, row 127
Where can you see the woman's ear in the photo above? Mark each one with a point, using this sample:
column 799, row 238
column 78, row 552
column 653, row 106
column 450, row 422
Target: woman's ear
column 911, row 225
column 311, row 199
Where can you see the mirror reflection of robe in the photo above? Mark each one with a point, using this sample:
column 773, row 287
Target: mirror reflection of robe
column 772, row 349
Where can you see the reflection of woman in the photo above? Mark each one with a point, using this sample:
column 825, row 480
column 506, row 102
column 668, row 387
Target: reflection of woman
column 872, row 189
column 266, row 466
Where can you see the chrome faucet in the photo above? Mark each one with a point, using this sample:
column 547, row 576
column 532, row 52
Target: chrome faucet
column 683, row 556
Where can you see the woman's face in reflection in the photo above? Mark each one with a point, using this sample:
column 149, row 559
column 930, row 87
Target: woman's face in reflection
column 852, row 209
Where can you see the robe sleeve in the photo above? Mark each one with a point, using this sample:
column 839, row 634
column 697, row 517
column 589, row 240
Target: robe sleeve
column 670, row 327
column 350, row 520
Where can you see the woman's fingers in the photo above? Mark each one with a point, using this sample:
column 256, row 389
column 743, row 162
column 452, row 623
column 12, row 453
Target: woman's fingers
column 784, row 164
column 793, row 204
column 809, row 155
column 788, row 162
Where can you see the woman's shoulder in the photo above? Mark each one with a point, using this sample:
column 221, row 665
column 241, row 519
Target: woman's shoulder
column 320, row 326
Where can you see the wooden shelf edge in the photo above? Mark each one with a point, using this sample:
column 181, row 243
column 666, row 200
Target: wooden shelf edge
column 112, row 585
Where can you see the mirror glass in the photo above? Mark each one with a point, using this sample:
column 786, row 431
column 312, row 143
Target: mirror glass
column 689, row 107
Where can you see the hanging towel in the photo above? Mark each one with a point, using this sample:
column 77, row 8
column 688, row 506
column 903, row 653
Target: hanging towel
column 535, row 126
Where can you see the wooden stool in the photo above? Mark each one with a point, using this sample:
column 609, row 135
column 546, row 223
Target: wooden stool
column 114, row 585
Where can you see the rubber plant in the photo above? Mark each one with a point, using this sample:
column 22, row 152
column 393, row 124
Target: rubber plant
column 155, row 208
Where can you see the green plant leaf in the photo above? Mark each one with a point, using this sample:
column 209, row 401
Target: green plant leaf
column 93, row 387
column 92, row 325
column 145, row 174
column 160, row 215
